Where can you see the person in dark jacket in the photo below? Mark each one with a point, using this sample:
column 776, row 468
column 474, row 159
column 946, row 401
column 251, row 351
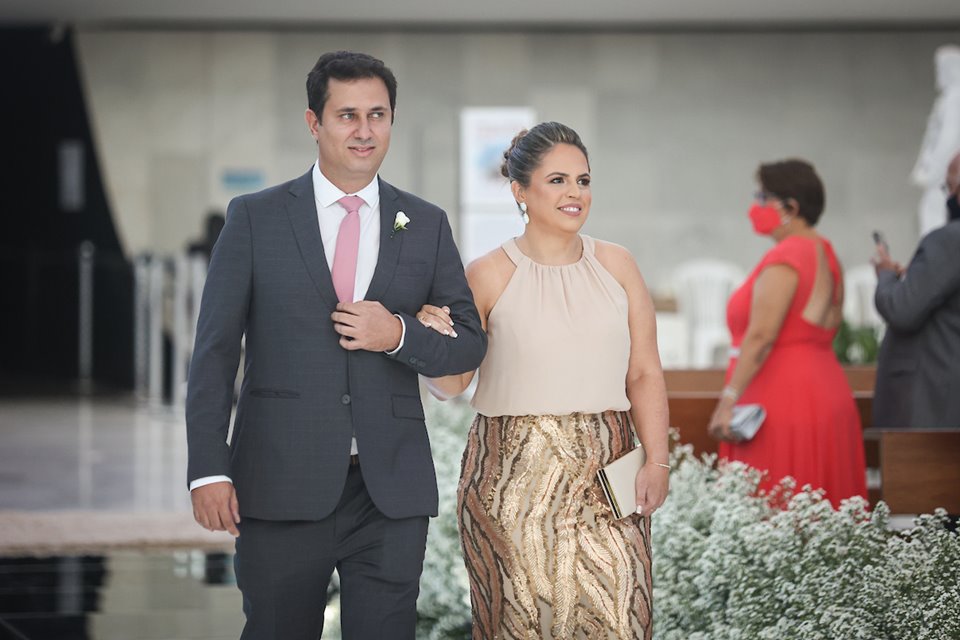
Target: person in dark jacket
column 918, row 368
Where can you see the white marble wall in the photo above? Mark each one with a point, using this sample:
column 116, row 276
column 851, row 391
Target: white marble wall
column 676, row 123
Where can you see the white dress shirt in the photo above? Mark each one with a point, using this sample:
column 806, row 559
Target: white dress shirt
column 330, row 214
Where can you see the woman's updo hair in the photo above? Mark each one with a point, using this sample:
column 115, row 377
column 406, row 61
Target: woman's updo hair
column 529, row 146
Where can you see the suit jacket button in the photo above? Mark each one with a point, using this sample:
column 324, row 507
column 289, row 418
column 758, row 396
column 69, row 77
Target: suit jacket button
column 345, row 398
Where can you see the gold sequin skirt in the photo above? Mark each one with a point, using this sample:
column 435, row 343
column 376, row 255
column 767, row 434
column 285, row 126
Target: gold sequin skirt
column 545, row 557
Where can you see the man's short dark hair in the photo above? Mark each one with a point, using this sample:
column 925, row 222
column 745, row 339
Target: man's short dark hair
column 346, row 66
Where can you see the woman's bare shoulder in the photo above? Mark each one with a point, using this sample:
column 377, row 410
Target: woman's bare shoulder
column 618, row 260
column 489, row 274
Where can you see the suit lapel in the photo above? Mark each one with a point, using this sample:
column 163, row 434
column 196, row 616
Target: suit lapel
column 302, row 211
column 390, row 242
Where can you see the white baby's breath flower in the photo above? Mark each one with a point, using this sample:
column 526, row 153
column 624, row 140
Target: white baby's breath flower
column 730, row 565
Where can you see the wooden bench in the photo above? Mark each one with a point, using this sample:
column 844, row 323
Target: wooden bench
column 919, row 469
column 692, row 395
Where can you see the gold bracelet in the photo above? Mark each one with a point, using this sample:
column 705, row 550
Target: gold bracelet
column 660, row 464
column 730, row 392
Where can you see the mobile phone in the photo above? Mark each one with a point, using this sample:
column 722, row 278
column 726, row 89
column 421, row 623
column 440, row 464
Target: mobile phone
column 880, row 241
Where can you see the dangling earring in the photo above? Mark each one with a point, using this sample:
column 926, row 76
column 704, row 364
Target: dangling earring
column 523, row 213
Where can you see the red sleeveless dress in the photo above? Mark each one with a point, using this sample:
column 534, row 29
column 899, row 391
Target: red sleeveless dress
column 812, row 430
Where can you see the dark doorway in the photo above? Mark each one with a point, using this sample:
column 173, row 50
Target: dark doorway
column 54, row 202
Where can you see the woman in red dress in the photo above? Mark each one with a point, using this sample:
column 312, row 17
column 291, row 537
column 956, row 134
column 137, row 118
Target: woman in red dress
column 782, row 321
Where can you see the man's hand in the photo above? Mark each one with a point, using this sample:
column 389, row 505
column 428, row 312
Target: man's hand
column 216, row 508
column 882, row 261
column 366, row 325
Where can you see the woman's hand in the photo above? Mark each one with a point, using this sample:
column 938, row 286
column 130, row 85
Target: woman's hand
column 652, row 484
column 437, row 318
column 719, row 426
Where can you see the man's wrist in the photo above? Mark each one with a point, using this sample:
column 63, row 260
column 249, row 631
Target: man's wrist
column 401, row 339
column 204, row 481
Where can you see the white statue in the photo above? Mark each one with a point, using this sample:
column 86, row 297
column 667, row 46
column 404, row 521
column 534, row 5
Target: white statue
column 941, row 141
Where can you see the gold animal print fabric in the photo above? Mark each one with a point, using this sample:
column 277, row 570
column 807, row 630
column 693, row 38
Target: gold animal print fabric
column 545, row 557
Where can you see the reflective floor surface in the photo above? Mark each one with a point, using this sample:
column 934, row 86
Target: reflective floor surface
column 123, row 596
column 109, row 454
column 104, row 453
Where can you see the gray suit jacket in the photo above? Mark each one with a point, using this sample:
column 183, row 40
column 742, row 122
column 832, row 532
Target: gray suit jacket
column 303, row 395
column 918, row 369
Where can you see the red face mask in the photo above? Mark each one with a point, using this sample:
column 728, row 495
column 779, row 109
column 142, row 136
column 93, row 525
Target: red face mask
column 765, row 218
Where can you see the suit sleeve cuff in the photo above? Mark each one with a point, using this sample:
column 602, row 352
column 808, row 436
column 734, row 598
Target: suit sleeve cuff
column 201, row 482
column 887, row 276
column 403, row 335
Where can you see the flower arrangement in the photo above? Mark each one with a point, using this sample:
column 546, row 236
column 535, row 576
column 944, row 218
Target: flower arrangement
column 729, row 564
column 443, row 608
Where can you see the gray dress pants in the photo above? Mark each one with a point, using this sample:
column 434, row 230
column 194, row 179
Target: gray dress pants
column 284, row 568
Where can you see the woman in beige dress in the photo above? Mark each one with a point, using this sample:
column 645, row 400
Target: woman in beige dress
column 571, row 369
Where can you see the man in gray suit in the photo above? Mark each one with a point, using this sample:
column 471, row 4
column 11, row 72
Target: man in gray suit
column 918, row 369
column 329, row 464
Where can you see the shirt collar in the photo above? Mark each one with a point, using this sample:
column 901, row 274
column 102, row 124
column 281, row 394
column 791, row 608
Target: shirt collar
column 327, row 194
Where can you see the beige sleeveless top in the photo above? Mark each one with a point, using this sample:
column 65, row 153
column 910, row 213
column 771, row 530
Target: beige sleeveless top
column 559, row 340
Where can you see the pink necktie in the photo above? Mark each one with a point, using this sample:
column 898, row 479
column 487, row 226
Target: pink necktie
column 348, row 244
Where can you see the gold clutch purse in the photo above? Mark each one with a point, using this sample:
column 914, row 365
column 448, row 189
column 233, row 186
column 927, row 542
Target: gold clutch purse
column 618, row 480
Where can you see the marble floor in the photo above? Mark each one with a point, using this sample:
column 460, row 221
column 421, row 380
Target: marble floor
column 107, row 453
column 122, row 596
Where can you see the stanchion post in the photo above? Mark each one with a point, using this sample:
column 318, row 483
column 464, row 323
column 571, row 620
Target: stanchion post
column 87, row 254
column 141, row 322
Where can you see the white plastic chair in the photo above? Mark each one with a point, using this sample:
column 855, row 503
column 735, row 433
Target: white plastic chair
column 702, row 288
column 673, row 340
column 859, row 287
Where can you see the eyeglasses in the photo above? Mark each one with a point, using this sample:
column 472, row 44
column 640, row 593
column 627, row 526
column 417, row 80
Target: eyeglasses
column 763, row 196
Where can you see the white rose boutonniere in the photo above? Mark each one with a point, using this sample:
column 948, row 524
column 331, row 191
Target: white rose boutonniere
column 400, row 222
